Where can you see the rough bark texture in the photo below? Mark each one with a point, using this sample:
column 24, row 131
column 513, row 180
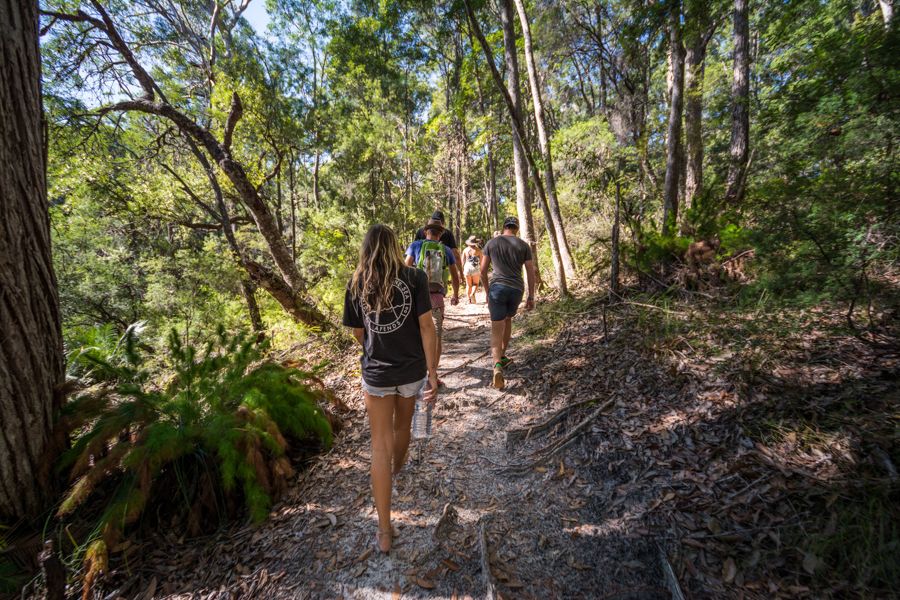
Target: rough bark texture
column 695, row 58
column 740, row 109
column 673, row 136
column 31, row 357
column 520, row 162
column 555, row 225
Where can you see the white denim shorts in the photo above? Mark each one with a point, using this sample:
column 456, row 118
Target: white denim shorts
column 407, row 390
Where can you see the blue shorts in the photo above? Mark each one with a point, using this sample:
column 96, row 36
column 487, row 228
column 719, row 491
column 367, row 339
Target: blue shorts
column 503, row 301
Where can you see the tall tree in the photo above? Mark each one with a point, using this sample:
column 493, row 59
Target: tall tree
column 520, row 162
column 537, row 102
column 284, row 283
column 31, row 354
column 673, row 135
column 700, row 28
column 740, row 104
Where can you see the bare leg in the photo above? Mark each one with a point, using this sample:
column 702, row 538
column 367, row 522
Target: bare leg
column 402, row 422
column 381, row 422
column 469, row 279
column 507, row 333
column 497, row 333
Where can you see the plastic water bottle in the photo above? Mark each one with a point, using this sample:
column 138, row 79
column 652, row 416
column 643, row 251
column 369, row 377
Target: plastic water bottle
column 421, row 421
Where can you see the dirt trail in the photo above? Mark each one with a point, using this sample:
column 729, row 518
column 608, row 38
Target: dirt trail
column 545, row 534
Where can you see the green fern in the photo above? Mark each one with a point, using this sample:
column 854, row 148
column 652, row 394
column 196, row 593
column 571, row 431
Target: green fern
column 221, row 405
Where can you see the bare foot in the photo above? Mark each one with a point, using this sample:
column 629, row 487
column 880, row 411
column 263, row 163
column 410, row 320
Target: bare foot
column 383, row 540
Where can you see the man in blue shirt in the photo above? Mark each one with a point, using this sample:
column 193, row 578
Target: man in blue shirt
column 433, row 232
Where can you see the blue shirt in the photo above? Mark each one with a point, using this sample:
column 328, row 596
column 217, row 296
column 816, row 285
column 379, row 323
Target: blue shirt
column 416, row 246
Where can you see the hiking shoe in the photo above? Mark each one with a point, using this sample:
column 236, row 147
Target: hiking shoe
column 498, row 377
column 504, row 362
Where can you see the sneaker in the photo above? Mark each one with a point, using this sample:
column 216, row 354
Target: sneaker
column 498, row 377
column 504, row 362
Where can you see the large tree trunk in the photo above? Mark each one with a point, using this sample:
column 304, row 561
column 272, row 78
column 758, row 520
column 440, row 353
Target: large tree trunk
column 520, row 162
column 694, row 70
column 555, row 226
column 673, row 136
column 740, row 100
column 31, row 354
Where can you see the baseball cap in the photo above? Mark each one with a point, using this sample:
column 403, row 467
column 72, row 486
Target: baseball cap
column 437, row 216
column 511, row 223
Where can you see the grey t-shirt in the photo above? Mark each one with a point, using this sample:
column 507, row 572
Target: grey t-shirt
column 508, row 254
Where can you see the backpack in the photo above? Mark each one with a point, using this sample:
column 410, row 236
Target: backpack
column 433, row 260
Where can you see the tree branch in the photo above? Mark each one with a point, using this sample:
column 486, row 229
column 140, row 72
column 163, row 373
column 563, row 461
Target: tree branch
column 234, row 115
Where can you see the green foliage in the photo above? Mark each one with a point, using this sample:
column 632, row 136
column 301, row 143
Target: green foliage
column 222, row 411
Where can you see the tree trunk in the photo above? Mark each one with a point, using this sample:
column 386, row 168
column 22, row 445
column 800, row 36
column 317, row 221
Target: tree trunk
column 694, row 69
column 555, row 226
column 614, row 260
column 520, row 163
column 31, row 353
column 740, row 99
column 490, row 169
column 887, row 12
column 673, row 136
column 248, row 291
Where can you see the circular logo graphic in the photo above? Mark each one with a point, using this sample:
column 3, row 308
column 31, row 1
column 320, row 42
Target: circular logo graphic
column 393, row 317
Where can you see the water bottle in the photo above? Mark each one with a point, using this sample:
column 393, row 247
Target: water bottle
column 421, row 422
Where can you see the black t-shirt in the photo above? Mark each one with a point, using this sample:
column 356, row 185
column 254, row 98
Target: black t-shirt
column 392, row 343
column 447, row 238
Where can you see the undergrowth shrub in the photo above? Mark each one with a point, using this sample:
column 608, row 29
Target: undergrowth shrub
column 202, row 437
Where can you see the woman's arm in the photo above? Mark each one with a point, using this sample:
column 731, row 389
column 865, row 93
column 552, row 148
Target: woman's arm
column 358, row 334
column 429, row 344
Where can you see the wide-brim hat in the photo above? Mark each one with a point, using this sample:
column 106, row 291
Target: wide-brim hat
column 473, row 241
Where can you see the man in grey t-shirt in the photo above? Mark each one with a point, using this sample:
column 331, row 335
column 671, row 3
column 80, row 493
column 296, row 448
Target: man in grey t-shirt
column 507, row 254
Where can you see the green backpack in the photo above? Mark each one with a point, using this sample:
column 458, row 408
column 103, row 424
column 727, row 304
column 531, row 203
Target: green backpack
column 433, row 260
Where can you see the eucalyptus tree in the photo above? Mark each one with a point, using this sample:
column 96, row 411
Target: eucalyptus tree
column 182, row 63
column 540, row 119
column 31, row 354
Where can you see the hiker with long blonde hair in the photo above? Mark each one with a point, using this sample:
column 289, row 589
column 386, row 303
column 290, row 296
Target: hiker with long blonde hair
column 388, row 308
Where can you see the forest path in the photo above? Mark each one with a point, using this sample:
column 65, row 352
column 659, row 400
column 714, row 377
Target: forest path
column 544, row 534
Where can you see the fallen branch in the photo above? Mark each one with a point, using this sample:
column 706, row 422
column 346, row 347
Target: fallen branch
column 485, row 560
column 669, row 574
column 466, row 364
column 514, row 435
column 548, row 452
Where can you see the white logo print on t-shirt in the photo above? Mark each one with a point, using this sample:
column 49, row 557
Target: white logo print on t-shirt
column 391, row 318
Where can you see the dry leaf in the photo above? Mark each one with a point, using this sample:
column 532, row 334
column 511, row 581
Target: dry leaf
column 811, row 562
column 729, row 570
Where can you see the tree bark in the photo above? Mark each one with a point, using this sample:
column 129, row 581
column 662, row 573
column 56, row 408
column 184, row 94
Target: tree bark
column 673, row 136
column 887, row 12
column 490, row 168
column 520, row 163
column 31, row 354
column 694, row 70
column 556, row 225
column 740, row 99
column 614, row 261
